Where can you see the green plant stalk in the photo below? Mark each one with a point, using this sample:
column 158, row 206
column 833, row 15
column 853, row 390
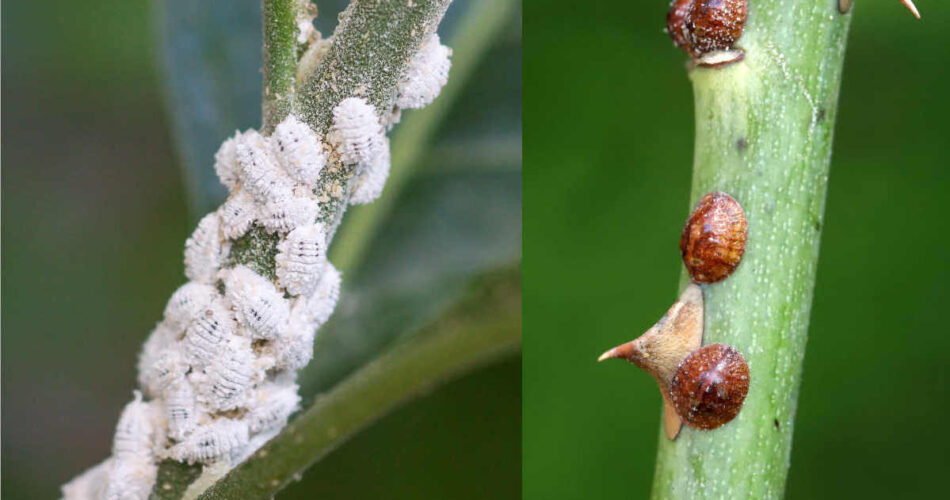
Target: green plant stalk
column 280, row 60
column 478, row 331
column 763, row 134
column 470, row 44
column 371, row 51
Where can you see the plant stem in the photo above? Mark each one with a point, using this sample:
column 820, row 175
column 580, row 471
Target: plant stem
column 479, row 330
column 763, row 135
column 469, row 46
column 372, row 48
column 280, row 60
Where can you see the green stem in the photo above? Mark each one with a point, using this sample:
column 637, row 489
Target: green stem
column 763, row 135
column 470, row 44
column 481, row 329
column 371, row 51
column 280, row 60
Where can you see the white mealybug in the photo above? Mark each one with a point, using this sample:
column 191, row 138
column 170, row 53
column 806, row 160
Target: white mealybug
column 317, row 308
column 229, row 376
column 90, row 484
column 185, row 304
column 257, row 302
column 180, row 409
column 237, row 214
column 301, row 258
column 298, row 150
column 262, row 177
column 204, row 250
column 208, row 333
column 225, row 162
column 271, row 406
column 295, row 350
column 211, row 442
column 428, row 73
column 161, row 370
column 356, row 131
column 133, row 433
column 130, row 479
column 289, row 213
column 371, row 178
column 161, row 339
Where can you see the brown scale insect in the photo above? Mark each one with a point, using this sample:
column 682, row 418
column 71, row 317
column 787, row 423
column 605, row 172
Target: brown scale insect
column 702, row 26
column 676, row 25
column 702, row 386
column 710, row 386
column 713, row 240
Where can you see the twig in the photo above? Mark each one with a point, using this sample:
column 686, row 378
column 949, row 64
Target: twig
column 763, row 135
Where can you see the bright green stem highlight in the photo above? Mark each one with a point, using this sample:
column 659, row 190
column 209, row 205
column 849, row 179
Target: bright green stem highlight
column 280, row 60
column 763, row 135
column 479, row 330
column 470, row 44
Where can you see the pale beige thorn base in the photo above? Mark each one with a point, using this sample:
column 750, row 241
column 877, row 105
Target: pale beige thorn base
column 661, row 349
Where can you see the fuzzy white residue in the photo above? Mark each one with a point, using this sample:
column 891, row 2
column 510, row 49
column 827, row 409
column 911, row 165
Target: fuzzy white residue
column 218, row 373
column 428, row 73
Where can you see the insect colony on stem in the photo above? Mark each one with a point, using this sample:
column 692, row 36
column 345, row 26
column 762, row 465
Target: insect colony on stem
column 218, row 373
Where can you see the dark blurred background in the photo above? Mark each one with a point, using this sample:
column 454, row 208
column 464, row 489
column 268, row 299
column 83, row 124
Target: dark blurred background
column 95, row 207
column 608, row 158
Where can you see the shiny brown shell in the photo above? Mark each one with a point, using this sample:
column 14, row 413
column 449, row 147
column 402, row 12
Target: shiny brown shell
column 710, row 386
column 713, row 240
column 676, row 24
column 716, row 24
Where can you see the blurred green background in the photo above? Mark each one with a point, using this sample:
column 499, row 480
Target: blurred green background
column 608, row 159
column 98, row 176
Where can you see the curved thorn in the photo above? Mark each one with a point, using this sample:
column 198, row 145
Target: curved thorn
column 624, row 351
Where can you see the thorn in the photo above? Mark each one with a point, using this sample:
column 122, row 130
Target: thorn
column 624, row 351
column 661, row 348
column 913, row 8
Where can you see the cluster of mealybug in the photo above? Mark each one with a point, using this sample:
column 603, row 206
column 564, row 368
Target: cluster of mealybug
column 218, row 373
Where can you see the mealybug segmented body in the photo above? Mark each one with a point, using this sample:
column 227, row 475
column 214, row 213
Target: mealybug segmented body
column 356, row 131
column 298, row 150
column 210, row 442
column 273, row 404
column 371, row 179
column 133, row 434
column 301, row 258
column 208, row 333
column 257, row 302
column 237, row 214
column 204, row 250
column 185, row 304
column 289, row 213
column 428, row 73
